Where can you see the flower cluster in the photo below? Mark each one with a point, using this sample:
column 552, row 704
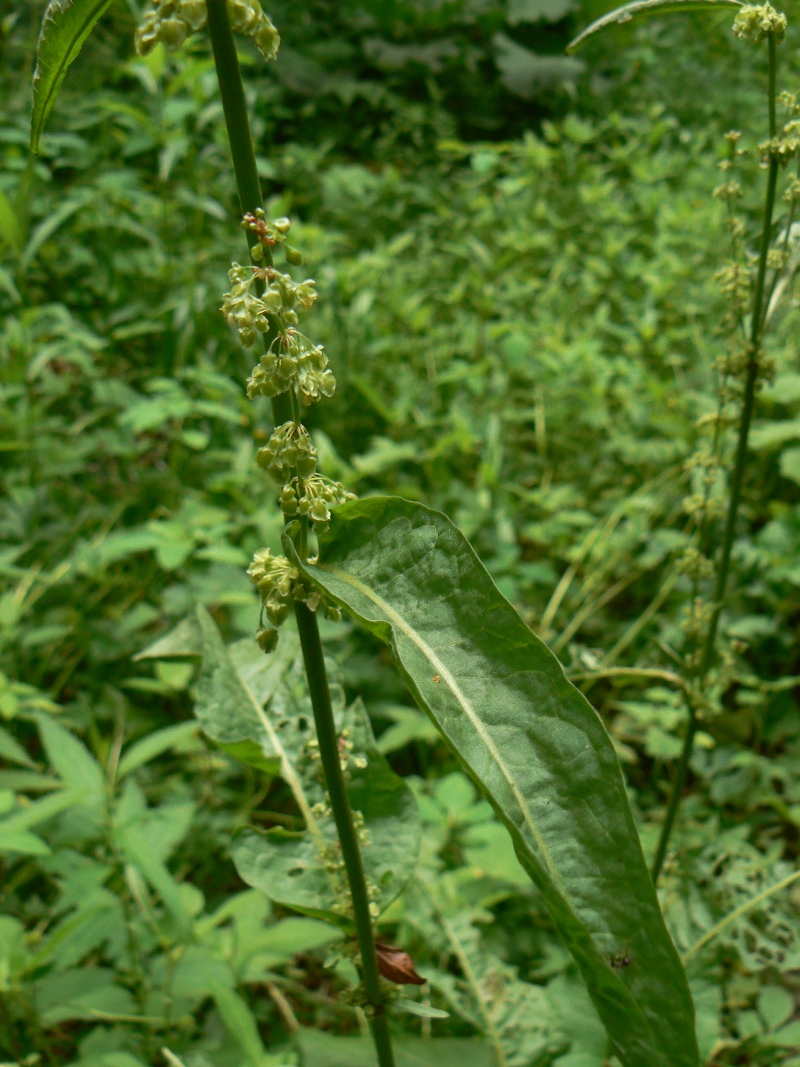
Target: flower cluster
column 754, row 22
column 278, row 583
column 314, row 497
column 170, row 22
column 783, row 147
column 269, row 235
column 264, row 301
column 280, row 297
column 292, row 361
column 289, row 449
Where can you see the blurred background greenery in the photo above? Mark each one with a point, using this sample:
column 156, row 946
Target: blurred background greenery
column 515, row 254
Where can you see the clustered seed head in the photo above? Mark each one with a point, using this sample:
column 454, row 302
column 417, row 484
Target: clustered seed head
column 249, row 313
column 242, row 308
column 277, row 582
column 172, row 21
column 292, row 361
column 260, row 298
column 314, row 497
column 785, row 146
column 289, row 449
column 754, row 22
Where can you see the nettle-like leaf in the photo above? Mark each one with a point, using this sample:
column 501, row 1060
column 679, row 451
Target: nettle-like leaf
column 65, row 27
column 515, row 1017
column 297, row 869
column 641, row 9
column 539, row 750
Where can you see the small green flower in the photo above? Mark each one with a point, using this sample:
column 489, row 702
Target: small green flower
column 289, row 449
column 754, row 22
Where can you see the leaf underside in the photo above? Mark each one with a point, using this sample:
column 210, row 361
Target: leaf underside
column 65, row 27
column 642, row 9
column 538, row 749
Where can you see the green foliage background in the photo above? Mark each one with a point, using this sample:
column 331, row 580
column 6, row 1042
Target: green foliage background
column 515, row 254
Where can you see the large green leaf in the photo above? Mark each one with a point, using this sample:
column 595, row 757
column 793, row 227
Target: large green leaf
column 640, row 9
column 539, row 750
column 294, row 869
column 65, row 26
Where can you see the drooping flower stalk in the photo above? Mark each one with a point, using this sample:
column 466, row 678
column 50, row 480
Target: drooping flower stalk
column 755, row 23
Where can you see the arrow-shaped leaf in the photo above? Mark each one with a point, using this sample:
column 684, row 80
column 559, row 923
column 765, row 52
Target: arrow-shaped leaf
column 65, row 26
column 640, row 9
column 541, row 753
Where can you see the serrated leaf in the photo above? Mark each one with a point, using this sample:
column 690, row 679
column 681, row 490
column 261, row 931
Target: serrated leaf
column 240, row 1024
column 41, row 810
column 72, row 759
column 184, row 642
column 644, row 9
column 136, row 849
column 22, row 841
column 12, row 750
column 154, row 745
column 65, row 27
column 502, row 701
column 84, row 993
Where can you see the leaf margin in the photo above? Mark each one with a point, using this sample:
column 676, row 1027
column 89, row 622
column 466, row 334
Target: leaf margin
column 605, row 984
column 51, row 69
column 643, row 9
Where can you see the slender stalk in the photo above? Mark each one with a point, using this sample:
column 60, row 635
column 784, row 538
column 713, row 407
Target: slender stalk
column 340, row 803
column 244, row 163
column 234, row 107
column 737, row 477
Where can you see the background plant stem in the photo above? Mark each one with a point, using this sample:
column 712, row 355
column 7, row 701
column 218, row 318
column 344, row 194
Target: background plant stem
column 737, row 476
column 248, row 185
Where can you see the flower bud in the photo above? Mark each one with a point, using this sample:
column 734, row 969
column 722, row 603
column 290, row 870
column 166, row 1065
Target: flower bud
column 277, row 613
column 193, row 12
column 293, row 256
column 267, row 39
column 267, row 640
column 173, row 33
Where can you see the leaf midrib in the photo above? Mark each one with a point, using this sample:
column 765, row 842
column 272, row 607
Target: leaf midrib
column 446, row 676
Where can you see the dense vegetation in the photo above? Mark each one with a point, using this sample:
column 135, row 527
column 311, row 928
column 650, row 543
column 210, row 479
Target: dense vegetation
column 516, row 255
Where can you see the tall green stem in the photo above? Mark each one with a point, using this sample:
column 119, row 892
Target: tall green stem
column 737, row 476
column 244, row 165
column 340, row 803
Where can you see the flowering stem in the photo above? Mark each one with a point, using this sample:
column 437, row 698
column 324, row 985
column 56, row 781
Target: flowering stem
column 284, row 409
column 737, row 476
